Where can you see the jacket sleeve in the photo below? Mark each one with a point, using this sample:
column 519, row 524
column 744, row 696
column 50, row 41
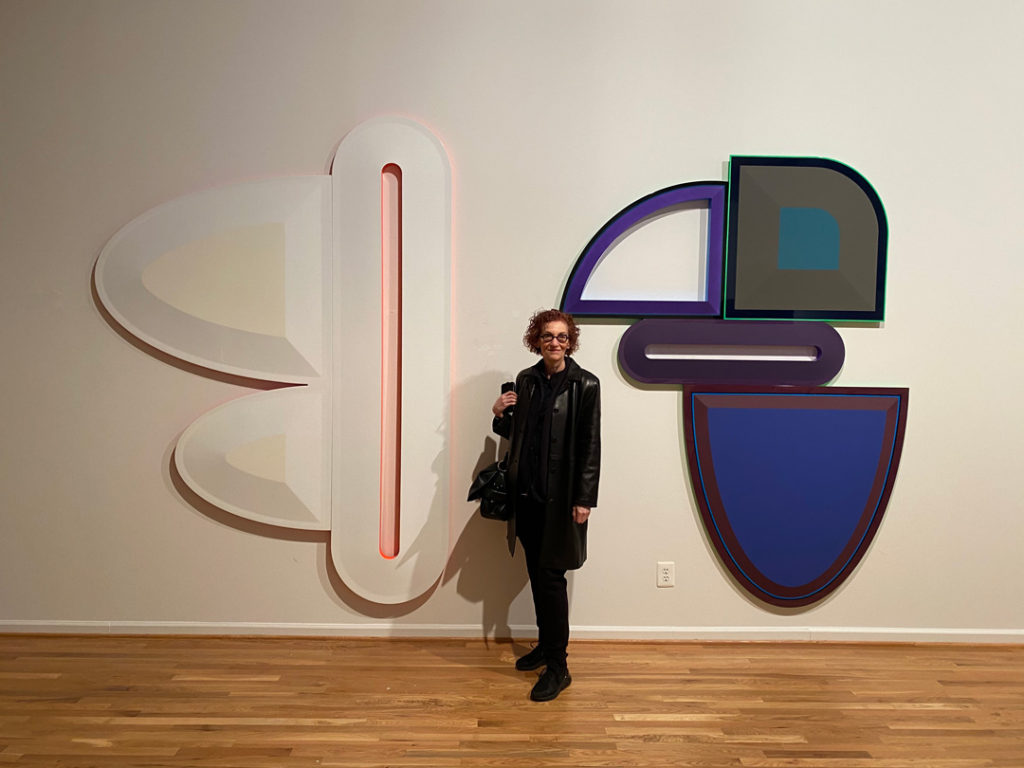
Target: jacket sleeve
column 502, row 426
column 588, row 446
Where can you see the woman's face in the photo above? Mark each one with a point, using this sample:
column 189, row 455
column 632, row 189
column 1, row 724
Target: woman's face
column 553, row 350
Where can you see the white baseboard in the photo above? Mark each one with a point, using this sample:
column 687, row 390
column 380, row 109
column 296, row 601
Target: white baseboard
column 780, row 634
column 816, row 634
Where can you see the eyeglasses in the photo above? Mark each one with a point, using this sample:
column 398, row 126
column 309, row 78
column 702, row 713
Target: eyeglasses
column 562, row 338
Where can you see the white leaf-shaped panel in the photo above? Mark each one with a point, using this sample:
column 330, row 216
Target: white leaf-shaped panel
column 234, row 279
column 264, row 457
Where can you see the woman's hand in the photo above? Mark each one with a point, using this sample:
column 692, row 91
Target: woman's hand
column 580, row 514
column 505, row 399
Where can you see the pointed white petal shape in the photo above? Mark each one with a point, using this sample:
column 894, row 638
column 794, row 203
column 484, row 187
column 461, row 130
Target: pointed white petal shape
column 264, row 457
column 234, row 279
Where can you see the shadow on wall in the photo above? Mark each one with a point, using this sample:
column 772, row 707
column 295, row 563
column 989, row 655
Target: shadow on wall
column 480, row 562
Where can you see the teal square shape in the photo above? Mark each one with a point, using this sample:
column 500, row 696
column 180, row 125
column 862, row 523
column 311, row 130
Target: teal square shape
column 808, row 239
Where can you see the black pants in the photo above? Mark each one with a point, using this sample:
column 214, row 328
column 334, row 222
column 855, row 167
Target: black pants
column 550, row 595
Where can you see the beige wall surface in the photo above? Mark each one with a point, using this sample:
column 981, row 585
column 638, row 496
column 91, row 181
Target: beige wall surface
column 555, row 115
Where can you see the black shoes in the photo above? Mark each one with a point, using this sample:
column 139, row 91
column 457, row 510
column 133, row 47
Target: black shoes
column 554, row 680
column 533, row 660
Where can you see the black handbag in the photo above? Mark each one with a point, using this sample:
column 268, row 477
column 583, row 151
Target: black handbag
column 491, row 488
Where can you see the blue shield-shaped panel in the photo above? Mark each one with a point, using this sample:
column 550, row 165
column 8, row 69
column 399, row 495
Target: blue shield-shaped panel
column 792, row 483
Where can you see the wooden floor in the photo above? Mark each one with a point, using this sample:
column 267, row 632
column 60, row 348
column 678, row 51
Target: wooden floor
column 255, row 702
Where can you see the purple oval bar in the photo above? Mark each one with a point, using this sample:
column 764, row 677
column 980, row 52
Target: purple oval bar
column 715, row 334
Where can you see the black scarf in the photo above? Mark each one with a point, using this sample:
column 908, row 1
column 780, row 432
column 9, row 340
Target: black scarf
column 537, row 433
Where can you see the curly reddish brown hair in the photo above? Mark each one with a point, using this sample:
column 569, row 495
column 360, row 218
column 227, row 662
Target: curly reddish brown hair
column 536, row 327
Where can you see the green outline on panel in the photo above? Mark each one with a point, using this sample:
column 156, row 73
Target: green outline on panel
column 728, row 250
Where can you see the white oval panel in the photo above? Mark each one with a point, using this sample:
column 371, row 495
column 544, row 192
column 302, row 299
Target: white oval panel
column 359, row 352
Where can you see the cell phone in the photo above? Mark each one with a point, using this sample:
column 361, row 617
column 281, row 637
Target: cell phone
column 509, row 386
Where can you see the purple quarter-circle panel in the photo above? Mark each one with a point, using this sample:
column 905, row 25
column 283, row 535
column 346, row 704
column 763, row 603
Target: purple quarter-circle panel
column 634, row 213
column 751, row 337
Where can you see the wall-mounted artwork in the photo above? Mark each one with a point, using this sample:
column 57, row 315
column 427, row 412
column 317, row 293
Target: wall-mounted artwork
column 792, row 482
column 340, row 286
column 807, row 239
column 792, row 478
column 706, row 301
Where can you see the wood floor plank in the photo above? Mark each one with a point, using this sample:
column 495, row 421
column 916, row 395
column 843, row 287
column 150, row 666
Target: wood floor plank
column 243, row 702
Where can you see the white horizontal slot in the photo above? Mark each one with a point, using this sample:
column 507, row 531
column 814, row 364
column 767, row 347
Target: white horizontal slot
column 739, row 352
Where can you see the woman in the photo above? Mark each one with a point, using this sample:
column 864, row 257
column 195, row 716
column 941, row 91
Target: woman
column 554, row 464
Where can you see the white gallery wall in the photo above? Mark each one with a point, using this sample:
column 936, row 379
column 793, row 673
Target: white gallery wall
column 554, row 115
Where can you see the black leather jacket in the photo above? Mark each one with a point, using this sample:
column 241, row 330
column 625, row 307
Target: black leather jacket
column 574, row 458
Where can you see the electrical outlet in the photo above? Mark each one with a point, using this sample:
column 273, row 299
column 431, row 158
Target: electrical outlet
column 666, row 574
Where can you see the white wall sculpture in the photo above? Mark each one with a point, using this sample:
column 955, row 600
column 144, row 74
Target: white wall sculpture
column 339, row 284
